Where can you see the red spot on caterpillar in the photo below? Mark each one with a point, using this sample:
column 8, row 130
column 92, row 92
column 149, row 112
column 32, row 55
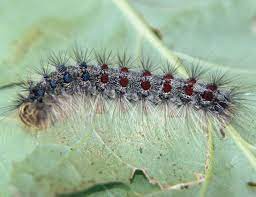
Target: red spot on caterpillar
column 191, row 82
column 207, row 95
column 212, row 87
column 189, row 90
column 123, row 81
column 145, row 85
column 124, row 69
column 104, row 66
column 146, row 73
column 168, row 77
column 104, row 78
column 167, row 87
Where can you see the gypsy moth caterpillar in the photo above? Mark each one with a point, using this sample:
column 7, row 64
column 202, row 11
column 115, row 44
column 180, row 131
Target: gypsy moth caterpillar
column 114, row 77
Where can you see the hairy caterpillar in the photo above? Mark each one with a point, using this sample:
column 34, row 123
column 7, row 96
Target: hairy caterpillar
column 110, row 79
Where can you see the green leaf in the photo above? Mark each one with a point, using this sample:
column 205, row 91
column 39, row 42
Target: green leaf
column 118, row 154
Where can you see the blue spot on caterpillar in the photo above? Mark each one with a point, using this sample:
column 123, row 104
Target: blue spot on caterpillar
column 53, row 84
column 67, row 77
column 86, row 76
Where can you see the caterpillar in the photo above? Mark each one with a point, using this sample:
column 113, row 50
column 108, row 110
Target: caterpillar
column 115, row 79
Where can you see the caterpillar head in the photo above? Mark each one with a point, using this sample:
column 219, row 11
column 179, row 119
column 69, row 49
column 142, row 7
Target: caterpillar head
column 35, row 115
